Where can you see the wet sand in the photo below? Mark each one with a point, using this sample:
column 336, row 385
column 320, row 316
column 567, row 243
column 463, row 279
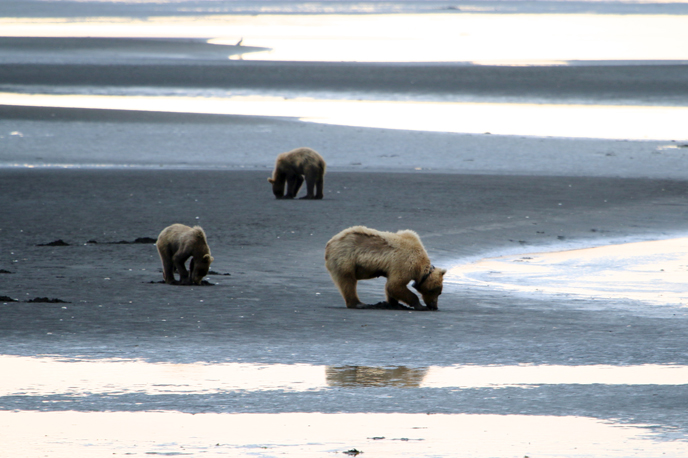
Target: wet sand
column 273, row 251
column 648, row 82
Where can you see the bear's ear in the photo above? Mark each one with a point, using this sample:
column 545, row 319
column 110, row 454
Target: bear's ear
column 442, row 272
column 270, row 180
column 209, row 258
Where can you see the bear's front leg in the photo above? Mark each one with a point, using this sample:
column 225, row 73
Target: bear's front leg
column 297, row 185
column 293, row 185
column 183, row 273
column 397, row 291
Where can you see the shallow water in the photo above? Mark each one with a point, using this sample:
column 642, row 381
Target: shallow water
column 46, row 375
column 651, row 272
column 510, row 39
column 66, row 385
column 526, row 119
column 445, row 35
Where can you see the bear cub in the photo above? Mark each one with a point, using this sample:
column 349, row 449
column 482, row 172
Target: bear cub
column 176, row 244
column 291, row 168
column 360, row 253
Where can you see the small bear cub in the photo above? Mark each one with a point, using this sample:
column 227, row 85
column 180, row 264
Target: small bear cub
column 291, row 168
column 176, row 244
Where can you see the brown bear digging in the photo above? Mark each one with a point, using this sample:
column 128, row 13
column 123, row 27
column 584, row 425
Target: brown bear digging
column 176, row 244
column 360, row 253
column 291, row 168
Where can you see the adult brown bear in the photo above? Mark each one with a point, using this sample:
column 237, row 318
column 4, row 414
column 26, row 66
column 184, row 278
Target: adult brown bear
column 291, row 168
column 176, row 244
column 360, row 253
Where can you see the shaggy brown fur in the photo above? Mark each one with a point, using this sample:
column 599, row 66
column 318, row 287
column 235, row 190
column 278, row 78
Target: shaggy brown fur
column 360, row 253
column 292, row 167
column 176, row 244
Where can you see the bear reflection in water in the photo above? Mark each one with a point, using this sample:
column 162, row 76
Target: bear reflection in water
column 360, row 253
column 351, row 376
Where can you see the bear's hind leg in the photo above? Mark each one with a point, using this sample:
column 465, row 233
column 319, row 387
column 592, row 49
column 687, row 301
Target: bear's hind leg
column 347, row 287
column 319, row 187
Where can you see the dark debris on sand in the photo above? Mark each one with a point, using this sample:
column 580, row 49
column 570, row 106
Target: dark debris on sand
column 144, row 240
column 212, row 272
column 58, row 242
column 47, row 300
column 203, row 283
column 141, row 240
column 385, row 306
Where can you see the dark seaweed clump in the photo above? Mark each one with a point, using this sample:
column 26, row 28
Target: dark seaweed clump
column 58, row 242
column 213, row 272
column 47, row 300
column 146, row 240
